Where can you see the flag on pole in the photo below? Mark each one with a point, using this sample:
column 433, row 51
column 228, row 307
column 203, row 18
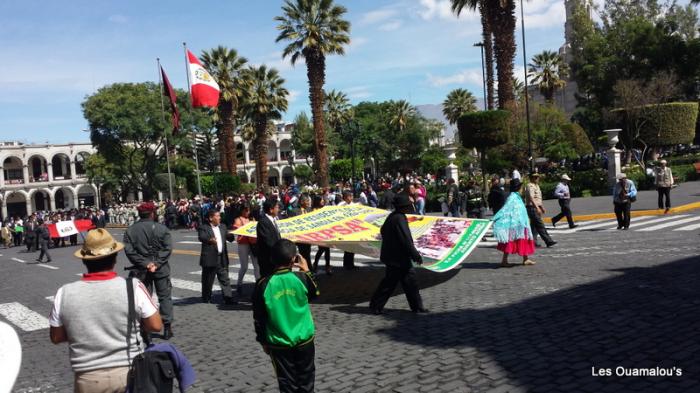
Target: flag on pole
column 205, row 90
column 170, row 93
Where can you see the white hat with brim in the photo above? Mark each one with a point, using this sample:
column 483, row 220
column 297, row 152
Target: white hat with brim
column 565, row 177
column 98, row 244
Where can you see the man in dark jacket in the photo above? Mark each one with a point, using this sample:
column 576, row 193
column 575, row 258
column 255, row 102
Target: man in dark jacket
column 171, row 215
column 397, row 253
column 42, row 234
column 148, row 246
column 304, row 207
column 497, row 195
column 387, row 200
column 214, row 257
column 267, row 233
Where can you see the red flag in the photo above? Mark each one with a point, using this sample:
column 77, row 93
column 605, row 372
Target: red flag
column 205, row 90
column 170, row 93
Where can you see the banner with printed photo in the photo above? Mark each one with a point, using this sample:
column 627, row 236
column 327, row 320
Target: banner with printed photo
column 443, row 242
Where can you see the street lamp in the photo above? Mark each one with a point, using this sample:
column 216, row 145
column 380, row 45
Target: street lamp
column 350, row 130
column 483, row 71
column 527, row 99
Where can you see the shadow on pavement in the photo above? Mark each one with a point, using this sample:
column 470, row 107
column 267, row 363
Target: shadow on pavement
column 643, row 318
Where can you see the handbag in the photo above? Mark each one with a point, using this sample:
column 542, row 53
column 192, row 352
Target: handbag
column 149, row 372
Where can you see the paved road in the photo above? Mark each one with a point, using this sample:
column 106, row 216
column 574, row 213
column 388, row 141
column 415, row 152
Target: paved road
column 601, row 298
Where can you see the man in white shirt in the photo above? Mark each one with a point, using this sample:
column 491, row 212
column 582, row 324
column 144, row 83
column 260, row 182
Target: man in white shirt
column 92, row 316
column 562, row 193
column 214, row 257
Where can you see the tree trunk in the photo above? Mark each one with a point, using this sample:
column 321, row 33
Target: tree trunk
column 503, row 19
column 261, row 153
column 222, row 148
column 488, row 53
column 227, row 125
column 315, row 70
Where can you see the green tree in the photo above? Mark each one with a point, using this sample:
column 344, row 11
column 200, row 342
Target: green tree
column 265, row 100
column 314, row 29
column 486, row 40
column 303, row 173
column 337, row 109
column 341, row 169
column 303, row 137
column 457, row 103
column 399, row 114
column 548, row 70
column 226, row 67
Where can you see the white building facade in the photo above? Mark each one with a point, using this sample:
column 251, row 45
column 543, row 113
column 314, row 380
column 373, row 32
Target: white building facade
column 44, row 177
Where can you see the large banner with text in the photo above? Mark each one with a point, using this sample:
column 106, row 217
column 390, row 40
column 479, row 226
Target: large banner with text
column 444, row 242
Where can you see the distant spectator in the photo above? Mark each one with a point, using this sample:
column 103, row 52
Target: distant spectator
column 664, row 182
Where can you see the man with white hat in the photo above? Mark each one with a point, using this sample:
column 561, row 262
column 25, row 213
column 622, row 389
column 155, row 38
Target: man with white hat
column 564, row 196
column 624, row 193
column 664, row 182
column 92, row 316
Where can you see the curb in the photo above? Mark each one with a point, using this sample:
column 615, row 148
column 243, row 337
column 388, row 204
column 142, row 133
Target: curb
column 635, row 213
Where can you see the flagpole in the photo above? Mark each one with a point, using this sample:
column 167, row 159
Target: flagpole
column 165, row 133
column 189, row 108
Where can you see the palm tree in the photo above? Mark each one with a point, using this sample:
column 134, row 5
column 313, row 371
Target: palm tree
column 265, row 100
column 314, row 29
column 457, row 103
column 338, row 109
column 518, row 89
column 399, row 113
column 226, row 67
column 487, row 39
column 548, row 70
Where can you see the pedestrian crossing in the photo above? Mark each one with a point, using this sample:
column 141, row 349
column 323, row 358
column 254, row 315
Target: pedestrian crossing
column 678, row 222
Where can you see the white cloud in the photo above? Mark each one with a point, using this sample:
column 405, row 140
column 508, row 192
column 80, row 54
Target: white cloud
column 436, row 9
column 377, row 16
column 356, row 42
column 117, row 18
column 358, row 92
column 550, row 15
column 472, row 76
column 391, row 25
column 293, row 95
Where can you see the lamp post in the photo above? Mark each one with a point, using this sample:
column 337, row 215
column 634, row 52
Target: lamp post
column 527, row 99
column 351, row 129
column 483, row 71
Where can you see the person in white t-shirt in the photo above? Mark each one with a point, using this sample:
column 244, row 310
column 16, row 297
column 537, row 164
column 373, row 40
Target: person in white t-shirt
column 92, row 314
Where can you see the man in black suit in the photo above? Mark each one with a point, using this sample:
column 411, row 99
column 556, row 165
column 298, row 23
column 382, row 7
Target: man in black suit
column 267, row 233
column 397, row 253
column 42, row 233
column 304, row 207
column 497, row 196
column 214, row 257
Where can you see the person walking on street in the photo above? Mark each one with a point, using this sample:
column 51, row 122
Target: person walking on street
column 319, row 203
column 511, row 228
column 267, row 233
column 148, row 245
column 42, row 234
column 348, row 257
column 564, row 195
column 214, row 257
column 535, row 210
column 664, row 182
column 282, row 317
column 246, row 245
column 397, row 253
column 91, row 316
column 304, row 207
column 624, row 193
column 453, row 202
column 497, row 195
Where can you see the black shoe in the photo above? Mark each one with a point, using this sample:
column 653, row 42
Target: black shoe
column 39, row 260
column 167, row 332
column 618, row 228
column 229, row 301
column 554, row 224
column 573, row 226
column 552, row 244
column 421, row 311
column 626, row 228
column 48, row 260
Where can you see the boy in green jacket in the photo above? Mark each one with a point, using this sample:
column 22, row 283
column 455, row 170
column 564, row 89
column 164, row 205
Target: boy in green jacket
column 283, row 322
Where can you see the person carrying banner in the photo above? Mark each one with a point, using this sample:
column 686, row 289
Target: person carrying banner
column 267, row 234
column 348, row 257
column 397, row 252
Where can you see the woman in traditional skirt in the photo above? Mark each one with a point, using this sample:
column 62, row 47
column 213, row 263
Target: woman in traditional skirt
column 511, row 228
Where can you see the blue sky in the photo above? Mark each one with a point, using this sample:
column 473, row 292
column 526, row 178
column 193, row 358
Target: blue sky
column 56, row 53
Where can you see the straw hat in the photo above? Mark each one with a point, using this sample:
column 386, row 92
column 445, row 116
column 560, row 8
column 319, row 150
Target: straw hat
column 98, row 244
column 565, row 177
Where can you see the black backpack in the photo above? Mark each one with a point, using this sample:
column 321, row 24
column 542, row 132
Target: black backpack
column 149, row 372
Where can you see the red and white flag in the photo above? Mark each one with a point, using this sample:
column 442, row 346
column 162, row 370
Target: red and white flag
column 205, row 90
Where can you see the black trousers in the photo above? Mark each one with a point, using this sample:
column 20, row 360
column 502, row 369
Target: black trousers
column 565, row 212
column 221, row 273
column 18, row 238
column 160, row 279
column 305, row 251
column 348, row 260
column 664, row 192
column 31, row 244
column 319, row 253
column 295, row 368
column 537, row 225
column 622, row 212
column 44, row 251
column 392, row 277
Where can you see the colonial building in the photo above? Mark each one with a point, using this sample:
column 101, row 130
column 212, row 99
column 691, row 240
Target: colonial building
column 44, row 177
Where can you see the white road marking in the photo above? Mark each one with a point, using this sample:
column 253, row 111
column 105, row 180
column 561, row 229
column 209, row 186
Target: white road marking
column 669, row 224
column 188, row 242
column 632, row 220
column 22, row 317
column 19, row 260
column 47, row 266
column 233, row 276
column 603, row 224
column 189, row 285
column 50, row 298
column 688, row 228
column 191, row 236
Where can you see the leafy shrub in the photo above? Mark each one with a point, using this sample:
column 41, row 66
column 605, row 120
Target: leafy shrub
column 220, row 183
column 342, row 168
column 484, row 129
